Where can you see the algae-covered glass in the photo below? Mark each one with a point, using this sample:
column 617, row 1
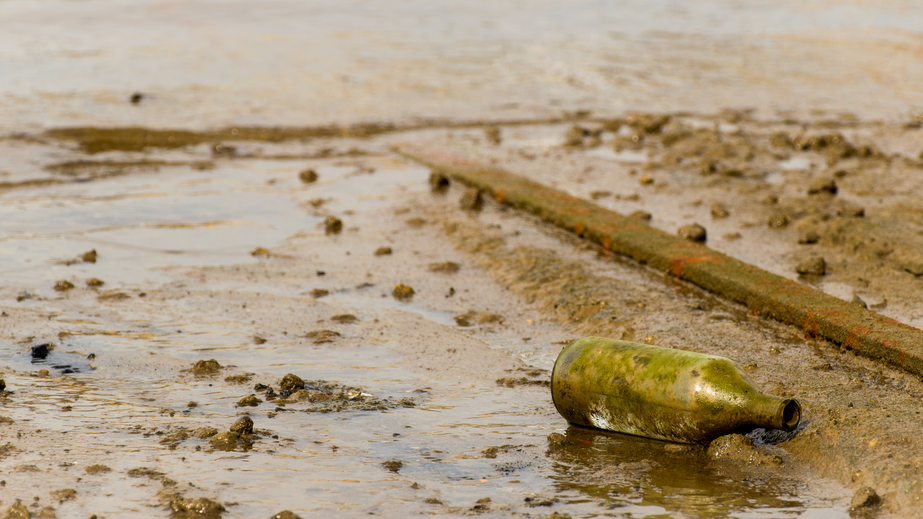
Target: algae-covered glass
column 662, row 393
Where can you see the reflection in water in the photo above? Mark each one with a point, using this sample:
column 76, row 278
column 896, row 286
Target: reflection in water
column 628, row 471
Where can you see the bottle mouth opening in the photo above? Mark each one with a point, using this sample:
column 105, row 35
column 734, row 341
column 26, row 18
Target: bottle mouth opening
column 791, row 414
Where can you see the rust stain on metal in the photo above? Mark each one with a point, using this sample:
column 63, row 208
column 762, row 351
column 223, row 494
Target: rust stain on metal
column 763, row 293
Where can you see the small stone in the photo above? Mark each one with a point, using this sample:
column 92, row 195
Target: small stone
column 291, row 382
column 778, row 221
column 393, row 465
column 249, row 401
column 344, row 318
column 822, row 186
column 66, row 494
column 225, row 441
column 856, row 300
column 383, row 251
column 308, row 176
column 17, row 511
column 816, row 266
column 332, row 225
column 317, row 293
column 63, row 285
column 286, row 514
column 204, row 432
column 89, row 256
column 809, row 237
column 40, row 351
column 2, row 385
column 95, row 282
column 471, row 200
column 646, row 180
column 692, row 232
column 719, row 211
column 243, row 425
column 200, row 507
column 259, row 251
column 864, row 498
column 402, row 292
column 258, row 340
column 641, row 215
column 438, row 182
column 322, row 336
column 97, row 469
column 136, row 98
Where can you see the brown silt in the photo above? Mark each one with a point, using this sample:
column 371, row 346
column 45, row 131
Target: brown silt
column 662, row 393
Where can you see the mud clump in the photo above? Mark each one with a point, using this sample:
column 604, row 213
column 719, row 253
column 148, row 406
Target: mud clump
column 333, row 225
column 809, row 238
column 291, row 382
column 778, row 221
column 393, row 465
column 471, row 318
column 286, row 514
column 144, row 472
column 89, row 256
column 241, row 379
column 204, row 432
column 492, row 134
column 249, row 401
column 203, row 368
column 113, row 296
column 2, row 385
column 719, row 211
column 864, row 500
column 471, row 200
column 97, row 469
column 521, row 381
column 322, row 336
column 822, row 186
column 402, row 292
column 243, row 425
column 308, row 176
column 641, row 215
column 260, row 251
column 63, row 495
column 739, row 448
column 95, row 282
column 816, row 266
column 17, row 511
column 344, row 318
column 63, row 285
column 199, row 508
column 445, row 267
column 318, row 293
column 230, row 441
column 556, row 440
column 383, row 251
column 692, row 232
column 41, row 351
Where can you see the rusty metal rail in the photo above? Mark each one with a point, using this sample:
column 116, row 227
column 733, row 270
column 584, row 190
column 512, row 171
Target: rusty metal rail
column 818, row 314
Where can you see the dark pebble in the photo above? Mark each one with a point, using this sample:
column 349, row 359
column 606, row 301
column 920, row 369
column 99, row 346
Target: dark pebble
column 40, row 351
column 244, row 425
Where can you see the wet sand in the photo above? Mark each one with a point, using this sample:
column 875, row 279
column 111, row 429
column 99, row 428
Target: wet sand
column 260, row 225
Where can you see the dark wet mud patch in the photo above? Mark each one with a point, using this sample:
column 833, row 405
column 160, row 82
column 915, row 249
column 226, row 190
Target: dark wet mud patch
column 320, row 396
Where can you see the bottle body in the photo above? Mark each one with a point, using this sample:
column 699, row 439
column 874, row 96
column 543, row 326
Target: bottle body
column 661, row 393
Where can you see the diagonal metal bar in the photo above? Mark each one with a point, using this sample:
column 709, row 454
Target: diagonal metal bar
column 820, row 315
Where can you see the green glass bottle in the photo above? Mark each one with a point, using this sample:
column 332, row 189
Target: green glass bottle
column 662, row 393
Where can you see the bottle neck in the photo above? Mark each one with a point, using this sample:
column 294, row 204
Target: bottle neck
column 772, row 412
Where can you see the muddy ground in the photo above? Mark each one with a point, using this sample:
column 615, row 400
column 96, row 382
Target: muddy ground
column 422, row 332
column 224, row 294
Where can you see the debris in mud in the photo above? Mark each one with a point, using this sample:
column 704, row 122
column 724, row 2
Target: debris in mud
column 144, row 472
column 332, row 225
column 318, row 293
column 740, row 448
column 864, row 500
column 63, row 495
column 63, row 285
column 89, row 256
column 816, row 266
column 199, row 508
column 243, row 425
column 472, row 317
column 402, row 292
column 521, row 381
column 17, row 511
column 249, row 401
column 438, row 182
column 532, row 502
column 113, row 296
column 259, row 251
column 291, row 382
column 95, row 282
column 136, row 98
column 416, row 222
column 393, row 465
column 22, row 296
column 286, row 514
column 383, row 251
column 230, row 441
column 471, row 200
column 778, row 220
column 692, row 232
column 492, row 134
column 822, row 186
column 206, row 367
column 258, row 340
column 719, row 211
column 809, row 238
column 646, row 180
column 322, row 336
column 344, row 318
column 445, row 267
column 7, row 450
column 40, row 351
column 308, row 176
column 556, row 440
column 204, row 432
column 93, row 470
